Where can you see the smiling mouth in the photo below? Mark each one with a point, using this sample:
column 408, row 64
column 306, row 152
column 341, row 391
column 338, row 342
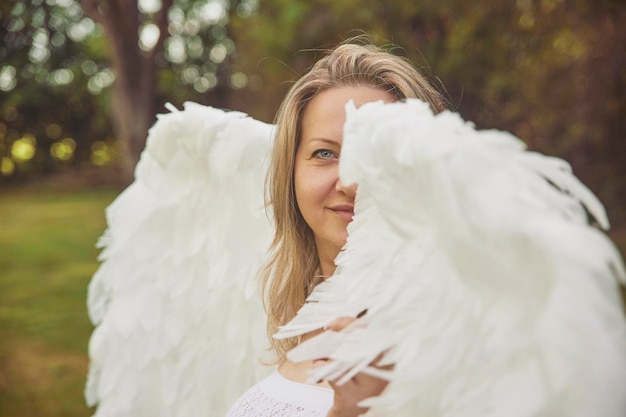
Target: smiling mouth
column 345, row 212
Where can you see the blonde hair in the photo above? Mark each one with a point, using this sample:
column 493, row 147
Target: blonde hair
column 293, row 269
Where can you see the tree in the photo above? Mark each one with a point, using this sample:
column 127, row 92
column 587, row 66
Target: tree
column 132, row 104
column 137, row 54
column 51, row 73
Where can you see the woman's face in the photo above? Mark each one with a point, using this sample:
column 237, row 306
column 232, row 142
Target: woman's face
column 326, row 204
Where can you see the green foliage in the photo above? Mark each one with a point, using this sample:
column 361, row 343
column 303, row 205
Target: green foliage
column 57, row 69
column 56, row 55
column 47, row 257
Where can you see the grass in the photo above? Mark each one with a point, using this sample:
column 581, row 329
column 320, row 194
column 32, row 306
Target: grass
column 47, row 257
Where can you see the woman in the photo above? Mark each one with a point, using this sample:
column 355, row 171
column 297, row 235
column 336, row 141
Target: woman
column 312, row 209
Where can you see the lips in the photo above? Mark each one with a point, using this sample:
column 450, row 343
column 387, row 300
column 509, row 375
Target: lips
column 346, row 211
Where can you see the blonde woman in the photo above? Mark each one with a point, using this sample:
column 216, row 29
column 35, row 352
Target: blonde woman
column 312, row 209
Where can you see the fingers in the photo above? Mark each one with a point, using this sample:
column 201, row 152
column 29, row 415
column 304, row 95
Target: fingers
column 340, row 323
column 320, row 362
column 349, row 395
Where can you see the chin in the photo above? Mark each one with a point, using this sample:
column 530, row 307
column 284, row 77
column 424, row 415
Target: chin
column 341, row 242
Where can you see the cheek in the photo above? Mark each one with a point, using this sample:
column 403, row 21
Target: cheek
column 311, row 187
column 306, row 189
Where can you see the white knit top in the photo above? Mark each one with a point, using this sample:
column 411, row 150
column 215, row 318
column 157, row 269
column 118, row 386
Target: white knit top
column 277, row 396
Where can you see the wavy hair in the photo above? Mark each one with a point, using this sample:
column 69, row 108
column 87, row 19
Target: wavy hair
column 292, row 269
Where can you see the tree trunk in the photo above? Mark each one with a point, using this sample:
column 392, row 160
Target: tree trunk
column 133, row 95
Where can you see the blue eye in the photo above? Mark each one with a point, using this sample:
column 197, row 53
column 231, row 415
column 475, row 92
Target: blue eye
column 324, row 154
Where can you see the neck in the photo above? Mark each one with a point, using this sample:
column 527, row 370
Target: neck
column 327, row 267
column 327, row 255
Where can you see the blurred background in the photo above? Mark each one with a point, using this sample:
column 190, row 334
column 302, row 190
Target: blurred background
column 82, row 81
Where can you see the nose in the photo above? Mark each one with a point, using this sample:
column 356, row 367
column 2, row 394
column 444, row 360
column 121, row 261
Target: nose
column 348, row 190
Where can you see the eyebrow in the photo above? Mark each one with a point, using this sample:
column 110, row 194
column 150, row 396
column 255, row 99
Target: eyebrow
column 325, row 140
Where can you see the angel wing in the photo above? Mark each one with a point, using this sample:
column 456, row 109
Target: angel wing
column 174, row 300
column 484, row 284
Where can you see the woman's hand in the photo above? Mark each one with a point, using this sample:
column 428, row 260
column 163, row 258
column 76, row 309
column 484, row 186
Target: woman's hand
column 360, row 387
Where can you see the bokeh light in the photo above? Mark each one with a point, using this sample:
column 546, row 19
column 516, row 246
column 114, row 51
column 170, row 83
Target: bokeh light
column 149, row 36
column 61, row 76
column 190, row 74
column 101, row 153
column 205, row 83
column 218, row 53
column 7, row 78
column 39, row 51
column 7, row 166
column 238, row 80
column 212, row 12
column 149, row 6
column 54, row 131
column 175, row 49
column 101, row 80
column 247, row 8
column 63, row 150
column 89, row 67
column 80, row 31
column 24, row 148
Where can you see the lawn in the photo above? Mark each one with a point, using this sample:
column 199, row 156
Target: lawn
column 47, row 257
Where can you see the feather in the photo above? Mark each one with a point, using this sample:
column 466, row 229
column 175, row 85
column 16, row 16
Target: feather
column 179, row 322
column 484, row 283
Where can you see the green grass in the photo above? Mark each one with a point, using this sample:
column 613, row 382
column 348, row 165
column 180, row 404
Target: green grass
column 47, row 257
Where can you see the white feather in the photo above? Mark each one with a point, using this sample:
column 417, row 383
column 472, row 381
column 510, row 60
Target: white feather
column 484, row 284
column 180, row 327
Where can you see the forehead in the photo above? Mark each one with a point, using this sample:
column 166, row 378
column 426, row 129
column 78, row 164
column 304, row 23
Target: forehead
column 325, row 115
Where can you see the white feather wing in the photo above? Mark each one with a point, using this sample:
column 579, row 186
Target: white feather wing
column 483, row 282
column 179, row 323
